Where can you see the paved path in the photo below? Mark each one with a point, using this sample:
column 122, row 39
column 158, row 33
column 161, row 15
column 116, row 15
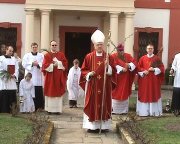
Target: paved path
column 68, row 128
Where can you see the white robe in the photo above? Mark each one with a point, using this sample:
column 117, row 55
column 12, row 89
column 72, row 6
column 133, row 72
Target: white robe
column 96, row 124
column 27, row 61
column 120, row 107
column 27, row 92
column 53, row 104
column 149, row 109
column 11, row 83
column 176, row 68
column 73, row 83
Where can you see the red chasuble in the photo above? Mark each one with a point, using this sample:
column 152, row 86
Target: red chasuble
column 124, row 79
column 54, row 82
column 94, row 91
column 150, row 85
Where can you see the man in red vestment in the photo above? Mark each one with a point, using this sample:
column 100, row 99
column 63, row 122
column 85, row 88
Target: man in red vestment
column 126, row 66
column 151, row 75
column 55, row 76
column 92, row 80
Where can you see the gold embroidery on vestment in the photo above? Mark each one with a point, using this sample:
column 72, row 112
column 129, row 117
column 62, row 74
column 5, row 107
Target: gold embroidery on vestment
column 99, row 77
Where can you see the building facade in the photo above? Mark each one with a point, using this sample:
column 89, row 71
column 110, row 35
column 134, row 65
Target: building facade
column 158, row 19
column 72, row 22
column 12, row 24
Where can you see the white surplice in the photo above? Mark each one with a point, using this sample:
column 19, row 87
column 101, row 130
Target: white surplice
column 120, row 107
column 9, row 84
column 54, row 104
column 27, row 61
column 74, row 90
column 27, row 93
column 176, row 68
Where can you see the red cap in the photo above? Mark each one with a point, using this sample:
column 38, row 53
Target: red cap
column 120, row 47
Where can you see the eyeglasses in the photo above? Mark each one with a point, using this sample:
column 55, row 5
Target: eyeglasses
column 34, row 47
column 53, row 45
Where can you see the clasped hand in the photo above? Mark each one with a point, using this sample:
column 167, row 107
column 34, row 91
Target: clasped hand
column 92, row 73
column 151, row 69
column 55, row 63
column 146, row 72
column 35, row 63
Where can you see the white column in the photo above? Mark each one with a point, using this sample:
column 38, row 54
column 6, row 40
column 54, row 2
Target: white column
column 106, row 26
column 121, row 32
column 114, row 28
column 129, row 32
column 45, row 18
column 29, row 34
column 129, row 35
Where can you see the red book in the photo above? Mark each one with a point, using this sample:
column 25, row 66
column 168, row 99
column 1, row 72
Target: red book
column 11, row 69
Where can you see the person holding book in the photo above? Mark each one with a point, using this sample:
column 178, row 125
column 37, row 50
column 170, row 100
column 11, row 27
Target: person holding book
column 8, row 78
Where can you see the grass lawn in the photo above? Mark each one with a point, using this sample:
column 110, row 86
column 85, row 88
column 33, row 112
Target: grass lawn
column 14, row 129
column 165, row 130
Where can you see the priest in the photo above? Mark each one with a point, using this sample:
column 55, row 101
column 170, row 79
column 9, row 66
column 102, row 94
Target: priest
column 126, row 70
column 151, row 76
column 55, row 76
column 92, row 81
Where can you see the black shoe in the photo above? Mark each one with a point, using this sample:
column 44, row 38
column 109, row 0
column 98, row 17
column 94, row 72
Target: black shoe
column 75, row 106
column 57, row 113
column 49, row 113
column 114, row 114
column 176, row 112
column 104, row 130
column 93, row 131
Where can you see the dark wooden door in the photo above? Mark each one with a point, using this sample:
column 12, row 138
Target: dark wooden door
column 77, row 45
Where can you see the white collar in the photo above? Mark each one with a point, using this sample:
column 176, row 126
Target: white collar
column 99, row 54
column 150, row 56
column 53, row 51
